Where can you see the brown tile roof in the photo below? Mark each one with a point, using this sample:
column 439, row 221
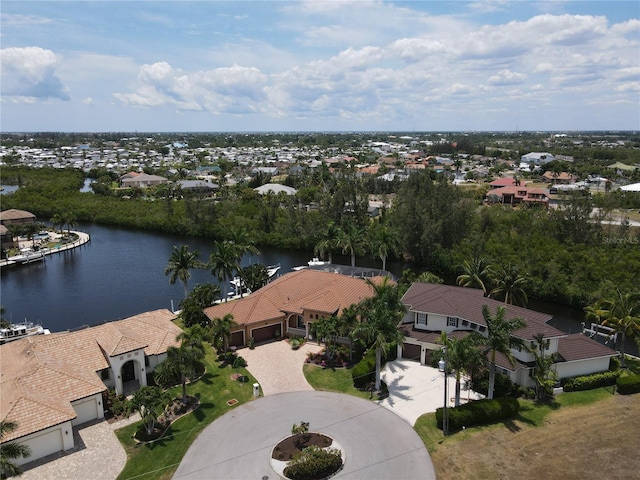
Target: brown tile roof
column 466, row 303
column 41, row 375
column 294, row 292
column 579, row 347
column 14, row 214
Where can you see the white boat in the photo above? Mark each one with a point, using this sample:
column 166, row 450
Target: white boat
column 314, row 262
column 16, row 331
column 272, row 270
column 27, row 255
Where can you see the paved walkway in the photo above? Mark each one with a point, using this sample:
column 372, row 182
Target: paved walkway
column 98, row 455
column 377, row 443
column 278, row 368
column 416, row 389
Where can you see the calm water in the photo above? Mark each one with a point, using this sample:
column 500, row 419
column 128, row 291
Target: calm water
column 118, row 274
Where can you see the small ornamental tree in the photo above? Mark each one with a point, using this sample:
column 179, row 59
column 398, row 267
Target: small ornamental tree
column 150, row 402
column 301, row 432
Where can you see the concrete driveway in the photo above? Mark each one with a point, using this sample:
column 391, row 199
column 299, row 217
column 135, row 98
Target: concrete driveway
column 376, row 443
column 278, row 368
column 416, row 389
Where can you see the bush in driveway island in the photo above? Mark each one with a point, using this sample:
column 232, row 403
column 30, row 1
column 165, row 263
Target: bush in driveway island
column 314, row 463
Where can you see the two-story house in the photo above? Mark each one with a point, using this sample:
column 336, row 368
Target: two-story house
column 432, row 309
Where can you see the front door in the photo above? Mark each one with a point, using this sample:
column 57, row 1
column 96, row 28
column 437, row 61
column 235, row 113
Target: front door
column 128, row 371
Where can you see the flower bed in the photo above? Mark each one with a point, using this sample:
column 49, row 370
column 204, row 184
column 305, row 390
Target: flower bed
column 323, row 359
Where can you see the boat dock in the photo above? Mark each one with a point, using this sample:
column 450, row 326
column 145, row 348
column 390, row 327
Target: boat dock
column 28, row 255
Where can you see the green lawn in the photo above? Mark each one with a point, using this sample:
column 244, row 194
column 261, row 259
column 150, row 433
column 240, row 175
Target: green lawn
column 332, row 380
column 160, row 459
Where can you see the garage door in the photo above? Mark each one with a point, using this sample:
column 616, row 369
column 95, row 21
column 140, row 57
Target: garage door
column 86, row 410
column 237, row 339
column 46, row 444
column 411, row 351
column 265, row 333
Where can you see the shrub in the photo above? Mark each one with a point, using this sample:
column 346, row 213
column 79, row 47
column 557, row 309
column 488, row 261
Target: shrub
column 314, row 462
column 479, row 412
column 628, row 384
column 503, row 386
column 239, row 362
column 365, row 370
column 614, row 364
column 589, row 382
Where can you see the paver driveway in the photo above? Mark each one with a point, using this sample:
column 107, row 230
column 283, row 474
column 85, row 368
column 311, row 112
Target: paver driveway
column 278, row 368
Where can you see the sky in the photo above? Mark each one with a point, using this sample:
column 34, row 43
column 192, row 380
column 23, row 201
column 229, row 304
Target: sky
column 252, row 66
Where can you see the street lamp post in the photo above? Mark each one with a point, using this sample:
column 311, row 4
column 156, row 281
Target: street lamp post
column 445, row 418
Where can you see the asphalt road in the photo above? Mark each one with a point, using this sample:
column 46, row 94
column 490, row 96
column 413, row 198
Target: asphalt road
column 377, row 443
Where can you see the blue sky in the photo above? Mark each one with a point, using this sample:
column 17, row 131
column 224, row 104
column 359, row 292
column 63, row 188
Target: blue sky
column 319, row 65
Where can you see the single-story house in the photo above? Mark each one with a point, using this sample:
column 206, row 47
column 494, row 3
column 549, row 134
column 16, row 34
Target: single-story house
column 290, row 304
column 516, row 195
column 16, row 217
column 432, row 309
column 561, row 178
column 143, row 180
column 198, row 186
column 506, row 182
column 275, row 188
column 51, row 383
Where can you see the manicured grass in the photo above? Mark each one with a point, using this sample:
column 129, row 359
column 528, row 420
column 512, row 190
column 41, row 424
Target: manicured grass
column 332, row 380
column 160, row 460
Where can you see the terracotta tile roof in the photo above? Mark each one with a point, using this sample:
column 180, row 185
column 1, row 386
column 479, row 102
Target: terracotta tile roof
column 579, row 347
column 466, row 303
column 41, row 375
column 294, row 292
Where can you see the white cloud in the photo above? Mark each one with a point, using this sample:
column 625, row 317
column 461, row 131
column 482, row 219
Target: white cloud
column 506, row 77
column 30, row 73
column 88, row 101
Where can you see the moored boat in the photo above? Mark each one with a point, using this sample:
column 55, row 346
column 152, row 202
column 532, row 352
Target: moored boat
column 16, row 331
column 314, row 262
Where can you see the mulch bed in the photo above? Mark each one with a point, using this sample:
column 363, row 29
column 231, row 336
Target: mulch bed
column 286, row 449
column 171, row 414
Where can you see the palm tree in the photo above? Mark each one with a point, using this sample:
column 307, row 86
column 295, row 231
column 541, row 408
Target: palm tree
column 543, row 374
column 223, row 261
column 500, row 339
column 70, row 220
column 182, row 362
column 350, row 241
column 181, row 262
column 10, row 450
column 622, row 313
column 384, row 242
column 221, row 330
column 477, row 274
column 150, row 402
column 57, row 221
column 328, row 241
column 462, row 355
column 510, row 286
column 380, row 316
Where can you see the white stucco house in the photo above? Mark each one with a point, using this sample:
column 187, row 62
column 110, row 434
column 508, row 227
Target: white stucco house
column 432, row 309
column 51, row 383
column 539, row 158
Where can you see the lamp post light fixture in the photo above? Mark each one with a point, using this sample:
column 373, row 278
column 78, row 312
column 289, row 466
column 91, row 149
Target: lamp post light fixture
column 445, row 417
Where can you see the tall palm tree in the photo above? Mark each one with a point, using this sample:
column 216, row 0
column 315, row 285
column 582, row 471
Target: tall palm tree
column 221, row 330
column 181, row 362
column 181, row 262
column 57, row 221
column 500, row 339
column 476, row 274
column 623, row 315
column 543, row 374
column 223, row 262
column 510, row 286
column 380, row 316
column 351, row 241
column 10, row 451
column 70, row 220
column 463, row 355
column 328, row 241
column 385, row 241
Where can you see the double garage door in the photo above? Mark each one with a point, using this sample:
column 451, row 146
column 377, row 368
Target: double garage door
column 264, row 334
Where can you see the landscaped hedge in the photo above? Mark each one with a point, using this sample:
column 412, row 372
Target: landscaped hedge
column 628, row 384
column 479, row 412
column 314, row 462
column 589, row 382
column 364, row 371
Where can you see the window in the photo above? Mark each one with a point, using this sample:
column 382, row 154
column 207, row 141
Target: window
column 421, row 318
column 481, row 328
column 301, row 321
column 104, row 375
column 465, row 323
column 452, row 321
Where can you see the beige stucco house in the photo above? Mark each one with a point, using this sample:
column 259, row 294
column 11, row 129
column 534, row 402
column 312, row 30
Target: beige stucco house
column 51, row 383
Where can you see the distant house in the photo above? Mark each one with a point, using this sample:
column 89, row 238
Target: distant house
column 432, row 309
column 562, row 178
column 272, row 171
column 519, row 195
column 198, row 186
column 6, row 238
column 539, row 158
column 275, row 188
column 506, row 182
column 143, row 180
column 290, row 304
column 51, row 383
column 16, row 217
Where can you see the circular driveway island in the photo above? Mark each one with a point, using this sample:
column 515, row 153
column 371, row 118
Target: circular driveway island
column 377, row 443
